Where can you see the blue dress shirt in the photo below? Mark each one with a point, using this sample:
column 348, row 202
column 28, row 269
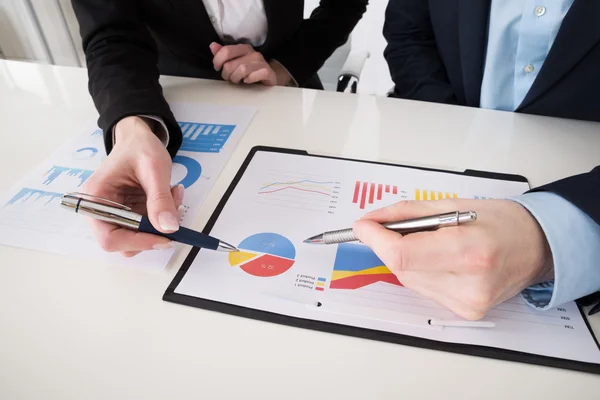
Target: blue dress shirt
column 521, row 33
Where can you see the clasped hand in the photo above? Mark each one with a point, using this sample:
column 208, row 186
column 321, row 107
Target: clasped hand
column 242, row 63
column 469, row 268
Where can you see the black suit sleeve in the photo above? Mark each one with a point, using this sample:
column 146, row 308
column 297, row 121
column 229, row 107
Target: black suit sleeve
column 415, row 65
column 328, row 28
column 581, row 190
column 121, row 58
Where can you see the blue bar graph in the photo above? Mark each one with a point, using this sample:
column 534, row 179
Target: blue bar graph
column 56, row 171
column 204, row 137
column 27, row 195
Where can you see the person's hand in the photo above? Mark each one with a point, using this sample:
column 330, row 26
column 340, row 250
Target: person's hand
column 469, row 268
column 137, row 173
column 242, row 63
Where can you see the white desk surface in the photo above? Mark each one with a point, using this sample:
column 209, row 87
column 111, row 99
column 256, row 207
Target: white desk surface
column 86, row 330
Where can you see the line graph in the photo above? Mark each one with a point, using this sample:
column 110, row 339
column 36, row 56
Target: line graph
column 292, row 190
column 305, row 185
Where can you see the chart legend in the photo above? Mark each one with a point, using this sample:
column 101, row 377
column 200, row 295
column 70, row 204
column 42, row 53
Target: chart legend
column 320, row 285
column 433, row 195
column 204, row 138
column 264, row 255
column 357, row 266
column 369, row 193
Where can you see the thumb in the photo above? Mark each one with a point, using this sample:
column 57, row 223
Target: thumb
column 160, row 203
column 388, row 245
column 214, row 48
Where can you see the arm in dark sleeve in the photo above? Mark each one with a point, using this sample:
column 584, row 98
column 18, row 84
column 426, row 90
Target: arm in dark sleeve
column 328, row 28
column 581, row 190
column 411, row 53
column 121, row 58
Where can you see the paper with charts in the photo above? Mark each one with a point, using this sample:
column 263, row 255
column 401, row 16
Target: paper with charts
column 283, row 199
column 30, row 214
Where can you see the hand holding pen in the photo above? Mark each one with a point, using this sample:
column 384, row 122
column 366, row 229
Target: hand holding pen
column 468, row 268
column 137, row 173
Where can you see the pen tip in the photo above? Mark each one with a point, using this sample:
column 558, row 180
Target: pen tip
column 226, row 247
column 318, row 239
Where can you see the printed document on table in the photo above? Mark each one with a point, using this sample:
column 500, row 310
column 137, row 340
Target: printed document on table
column 282, row 199
column 30, row 213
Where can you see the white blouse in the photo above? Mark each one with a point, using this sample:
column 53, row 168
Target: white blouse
column 238, row 20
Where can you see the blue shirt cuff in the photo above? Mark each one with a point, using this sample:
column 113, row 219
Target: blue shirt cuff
column 574, row 240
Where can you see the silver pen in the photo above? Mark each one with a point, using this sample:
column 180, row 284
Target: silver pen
column 422, row 224
column 121, row 215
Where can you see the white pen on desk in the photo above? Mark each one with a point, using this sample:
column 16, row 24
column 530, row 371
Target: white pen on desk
column 461, row 324
column 348, row 308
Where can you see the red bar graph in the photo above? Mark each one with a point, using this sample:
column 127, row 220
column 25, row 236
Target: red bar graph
column 369, row 193
column 356, row 192
column 363, row 198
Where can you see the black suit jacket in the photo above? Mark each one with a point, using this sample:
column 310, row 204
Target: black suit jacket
column 128, row 43
column 436, row 52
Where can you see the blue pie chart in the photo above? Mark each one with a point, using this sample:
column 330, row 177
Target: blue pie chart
column 86, row 152
column 194, row 170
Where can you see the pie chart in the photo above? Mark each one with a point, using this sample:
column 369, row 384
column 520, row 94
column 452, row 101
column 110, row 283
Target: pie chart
column 264, row 255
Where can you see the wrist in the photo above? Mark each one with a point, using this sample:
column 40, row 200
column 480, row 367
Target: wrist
column 133, row 128
column 283, row 77
column 544, row 266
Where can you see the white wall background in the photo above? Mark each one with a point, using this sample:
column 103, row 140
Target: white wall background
column 46, row 31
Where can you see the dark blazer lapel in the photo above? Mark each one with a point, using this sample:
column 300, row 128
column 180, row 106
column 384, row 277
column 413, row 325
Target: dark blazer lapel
column 578, row 33
column 473, row 16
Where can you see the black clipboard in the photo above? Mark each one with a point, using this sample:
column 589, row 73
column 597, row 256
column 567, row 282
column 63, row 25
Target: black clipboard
column 364, row 333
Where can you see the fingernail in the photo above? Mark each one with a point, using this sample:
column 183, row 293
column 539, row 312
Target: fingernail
column 168, row 222
column 180, row 211
column 163, row 246
column 180, row 193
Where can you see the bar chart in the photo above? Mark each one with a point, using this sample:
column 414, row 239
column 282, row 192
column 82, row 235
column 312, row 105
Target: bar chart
column 71, row 176
column 32, row 196
column 366, row 193
column 421, row 194
column 203, row 137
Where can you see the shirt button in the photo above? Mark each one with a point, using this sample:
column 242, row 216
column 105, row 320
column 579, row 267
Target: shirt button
column 540, row 10
column 528, row 68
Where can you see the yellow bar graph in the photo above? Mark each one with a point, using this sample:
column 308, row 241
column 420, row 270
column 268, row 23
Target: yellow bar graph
column 421, row 194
